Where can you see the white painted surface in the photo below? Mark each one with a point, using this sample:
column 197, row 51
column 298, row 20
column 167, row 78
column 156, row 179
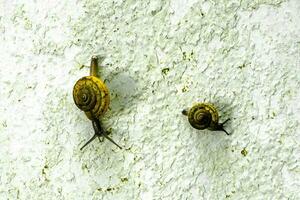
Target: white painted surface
column 243, row 56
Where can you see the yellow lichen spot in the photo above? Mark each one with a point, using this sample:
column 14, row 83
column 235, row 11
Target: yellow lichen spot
column 242, row 66
column 125, row 179
column 188, row 56
column 184, row 55
column 244, row 152
column 185, row 88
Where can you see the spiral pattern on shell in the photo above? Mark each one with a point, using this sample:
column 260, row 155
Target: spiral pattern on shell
column 91, row 96
column 202, row 116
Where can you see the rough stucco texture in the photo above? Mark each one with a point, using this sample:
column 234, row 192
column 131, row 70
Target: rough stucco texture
column 158, row 58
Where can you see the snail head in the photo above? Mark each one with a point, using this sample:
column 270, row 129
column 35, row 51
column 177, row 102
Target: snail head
column 220, row 126
column 99, row 132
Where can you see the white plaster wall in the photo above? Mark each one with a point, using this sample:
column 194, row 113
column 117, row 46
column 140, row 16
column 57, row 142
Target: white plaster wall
column 241, row 55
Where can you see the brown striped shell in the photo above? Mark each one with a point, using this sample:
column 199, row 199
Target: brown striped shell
column 91, row 95
column 203, row 115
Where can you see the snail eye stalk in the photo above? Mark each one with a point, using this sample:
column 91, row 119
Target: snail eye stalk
column 221, row 128
column 99, row 132
column 90, row 140
column 225, row 121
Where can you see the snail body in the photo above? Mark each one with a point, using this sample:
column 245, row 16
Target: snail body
column 204, row 116
column 91, row 95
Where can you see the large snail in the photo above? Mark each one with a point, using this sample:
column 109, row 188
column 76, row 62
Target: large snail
column 204, row 116
column 91, row 95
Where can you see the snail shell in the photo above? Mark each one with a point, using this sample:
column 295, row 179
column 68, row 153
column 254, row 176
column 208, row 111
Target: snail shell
column 203, row 115
column 91, row 95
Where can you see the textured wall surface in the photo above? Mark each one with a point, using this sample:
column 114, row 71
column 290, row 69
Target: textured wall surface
column 159, row 57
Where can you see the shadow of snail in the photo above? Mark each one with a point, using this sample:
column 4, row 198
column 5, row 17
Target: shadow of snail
column 91, row 95
column 204, row 116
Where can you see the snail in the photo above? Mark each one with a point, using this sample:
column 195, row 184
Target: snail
column 91, row 95
column 204, row 116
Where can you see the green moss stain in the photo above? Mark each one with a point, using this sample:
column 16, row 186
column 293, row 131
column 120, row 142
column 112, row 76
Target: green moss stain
column 187, row 56
column 125, row 179
column 184, row 55
column 185, row 89
column 242, row 66
column 44, row 173
column 244, row 152
column 165, row 71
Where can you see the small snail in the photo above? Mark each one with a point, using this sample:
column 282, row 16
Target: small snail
column 91, row 95
column 204, row 116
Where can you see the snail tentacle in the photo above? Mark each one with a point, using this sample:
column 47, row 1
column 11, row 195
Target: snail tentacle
column 99, row 132
column 90, row 140
column 221, row 128
column 98, row 128
column 225, row 121
column 107, row 137
column 225, row 131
